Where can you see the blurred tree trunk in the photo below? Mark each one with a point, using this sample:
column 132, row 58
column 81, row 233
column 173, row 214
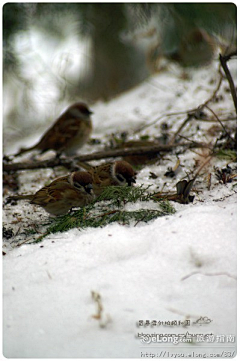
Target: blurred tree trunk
column 116, row 66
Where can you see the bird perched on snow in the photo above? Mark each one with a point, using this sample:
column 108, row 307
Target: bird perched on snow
column 74, row 190
column 68, row 133
column 118, row 173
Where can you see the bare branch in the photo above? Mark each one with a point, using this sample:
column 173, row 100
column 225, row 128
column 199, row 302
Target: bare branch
column 189, row 117
column 71, row 162
column 223, row 61
column 192, row 112
column 215, row 115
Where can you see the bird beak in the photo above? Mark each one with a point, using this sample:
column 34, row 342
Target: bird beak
column 89, row 188
column 130, row 181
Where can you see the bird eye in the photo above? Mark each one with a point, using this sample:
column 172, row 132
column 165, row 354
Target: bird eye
column 77, row 185
column 120, row 178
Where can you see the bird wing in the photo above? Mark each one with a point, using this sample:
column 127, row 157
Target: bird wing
column 60, row 134
column 104, row 172
column 54, row 193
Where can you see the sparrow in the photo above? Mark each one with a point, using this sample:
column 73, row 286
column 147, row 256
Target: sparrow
column 74, row 190
column 118, row 173
column 68, row 133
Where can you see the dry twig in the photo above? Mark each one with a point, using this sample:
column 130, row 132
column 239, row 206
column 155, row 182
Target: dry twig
column 209, row 274
column 223, row 61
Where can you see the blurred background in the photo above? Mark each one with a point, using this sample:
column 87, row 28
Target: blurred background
column 57, row 53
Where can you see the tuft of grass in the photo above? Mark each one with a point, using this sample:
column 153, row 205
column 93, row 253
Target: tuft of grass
column 29, row 231
column 227, row 154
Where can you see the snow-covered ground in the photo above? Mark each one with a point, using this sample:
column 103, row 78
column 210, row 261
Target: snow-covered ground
column 176, row 268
